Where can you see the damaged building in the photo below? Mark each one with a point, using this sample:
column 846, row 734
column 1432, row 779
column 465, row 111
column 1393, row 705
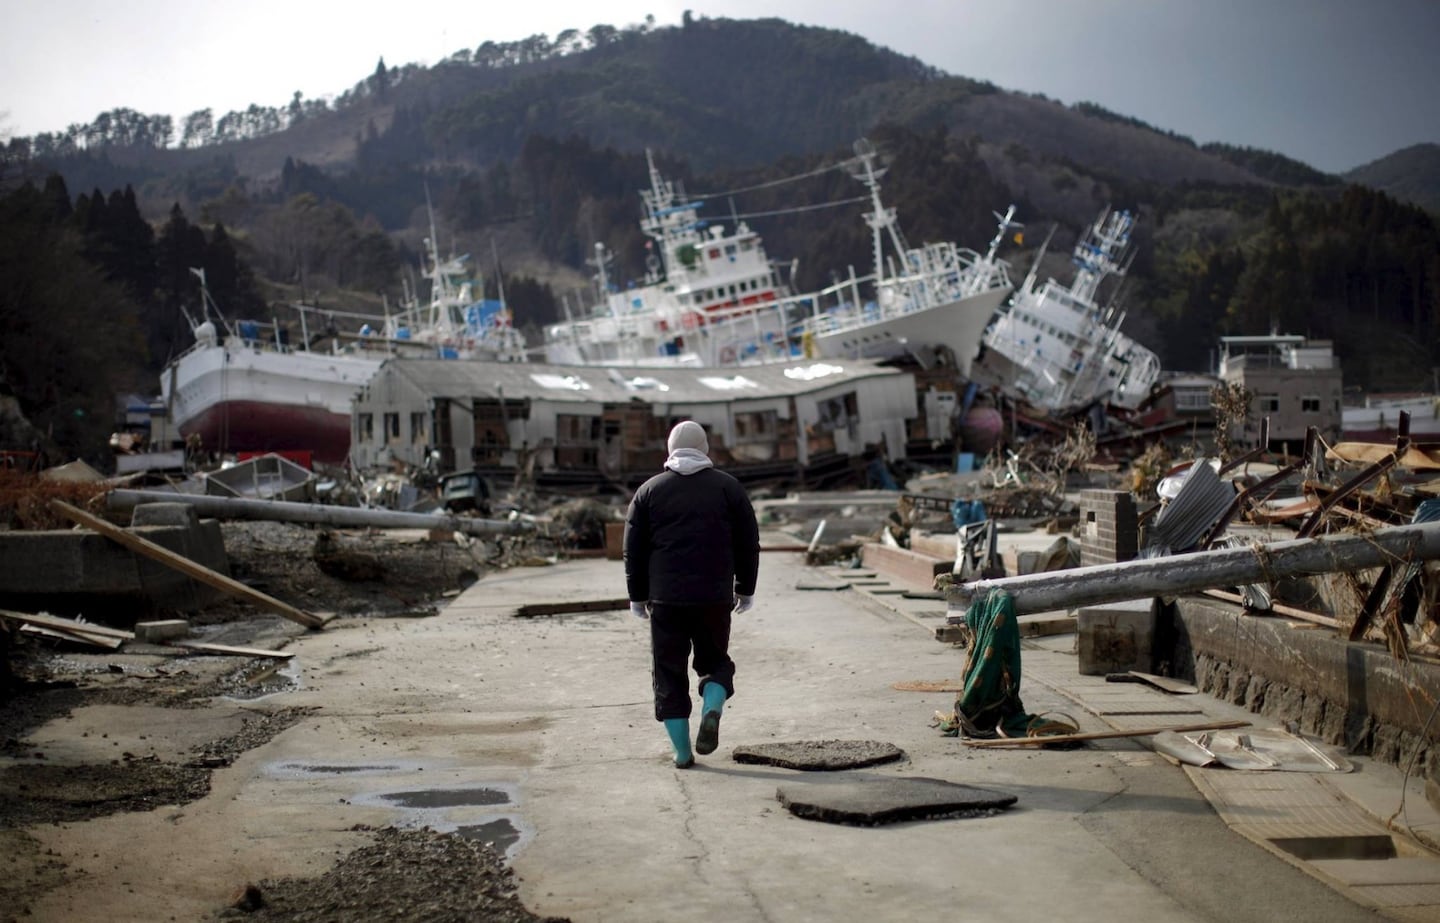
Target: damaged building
column 1296, row 383
column 809, row 423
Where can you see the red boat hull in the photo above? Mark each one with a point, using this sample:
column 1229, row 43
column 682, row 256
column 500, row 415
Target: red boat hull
column 254, row 426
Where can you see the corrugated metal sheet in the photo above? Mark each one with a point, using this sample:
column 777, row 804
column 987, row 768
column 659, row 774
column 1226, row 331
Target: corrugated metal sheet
column 1202, row 500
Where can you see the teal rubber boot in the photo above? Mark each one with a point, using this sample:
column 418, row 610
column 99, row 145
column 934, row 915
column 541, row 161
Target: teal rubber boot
column 679, row 731
column 708, row 737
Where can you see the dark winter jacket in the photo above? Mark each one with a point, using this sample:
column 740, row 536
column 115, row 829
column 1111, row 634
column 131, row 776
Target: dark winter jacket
column 691, row 539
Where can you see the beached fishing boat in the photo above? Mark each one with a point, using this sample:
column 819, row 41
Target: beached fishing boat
column 1059, row 349
column 712, row 298
column 249, row 386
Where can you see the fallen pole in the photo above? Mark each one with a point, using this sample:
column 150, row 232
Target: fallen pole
column 341, row 516
column 1205, row 570
column 186, row 566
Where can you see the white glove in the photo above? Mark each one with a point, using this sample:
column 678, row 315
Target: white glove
column 639, row 610
column 743, row 603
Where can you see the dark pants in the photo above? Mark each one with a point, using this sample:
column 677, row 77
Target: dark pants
column 676, row 630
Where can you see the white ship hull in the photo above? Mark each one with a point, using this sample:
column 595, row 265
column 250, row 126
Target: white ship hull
column 253, row 399
column 958, row 325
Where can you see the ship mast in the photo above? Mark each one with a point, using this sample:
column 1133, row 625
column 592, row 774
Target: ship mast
column 882, row 219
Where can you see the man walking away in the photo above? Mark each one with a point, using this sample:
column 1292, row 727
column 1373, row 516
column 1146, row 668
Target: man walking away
column 692, row 554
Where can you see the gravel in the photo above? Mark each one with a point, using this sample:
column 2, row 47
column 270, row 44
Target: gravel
column 403, row 875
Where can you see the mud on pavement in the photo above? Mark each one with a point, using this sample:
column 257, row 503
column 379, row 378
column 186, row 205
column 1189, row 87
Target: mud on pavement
column 401, row 875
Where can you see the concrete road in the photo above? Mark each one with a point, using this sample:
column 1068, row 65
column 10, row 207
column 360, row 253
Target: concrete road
column 541, row 731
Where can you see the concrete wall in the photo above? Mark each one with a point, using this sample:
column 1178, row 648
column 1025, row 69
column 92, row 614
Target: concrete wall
column 74, row 572
column 1357, row 695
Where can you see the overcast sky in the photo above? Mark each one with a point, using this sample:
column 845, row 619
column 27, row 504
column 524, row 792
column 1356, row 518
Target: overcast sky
column 1334, row 83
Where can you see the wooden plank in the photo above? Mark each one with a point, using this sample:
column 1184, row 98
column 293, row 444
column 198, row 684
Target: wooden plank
column 1101, row 735
column 530, row 610
column 1278, row 609
column 1044, row 628
column 1166, row 683
column 952, row 634
column 101, row 641
column 186, row 566
column 203, row 647
column 70, row 625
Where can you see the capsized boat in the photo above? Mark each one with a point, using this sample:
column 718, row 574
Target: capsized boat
column 1059, row 349
column 712, row 298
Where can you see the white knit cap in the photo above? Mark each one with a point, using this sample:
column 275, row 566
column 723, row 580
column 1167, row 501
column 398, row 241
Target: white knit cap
column 688, row 435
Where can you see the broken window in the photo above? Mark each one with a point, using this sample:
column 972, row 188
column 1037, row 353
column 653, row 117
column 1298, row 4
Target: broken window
column 392, row 426
column 756, row 436
column 417, row 428
column 1192, row 400
column 1267, row 403
column 755, row 426
column 367, row 427
column 837, row 413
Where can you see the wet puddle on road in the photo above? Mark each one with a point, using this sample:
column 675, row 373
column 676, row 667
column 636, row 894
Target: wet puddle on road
column 296, row 770
column 467, row 811
column 446, row 798
column 499, row 834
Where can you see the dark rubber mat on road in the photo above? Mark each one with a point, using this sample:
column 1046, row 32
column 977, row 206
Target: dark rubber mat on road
column 820, row 755
column 874, row 800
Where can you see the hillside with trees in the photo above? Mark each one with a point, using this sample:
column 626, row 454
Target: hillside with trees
column 532, row 152
column 1410, row 175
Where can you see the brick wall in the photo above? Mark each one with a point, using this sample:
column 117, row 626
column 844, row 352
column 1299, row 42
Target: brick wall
column 1108, row 530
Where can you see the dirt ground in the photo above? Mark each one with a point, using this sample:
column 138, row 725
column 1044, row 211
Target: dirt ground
column 403, row 875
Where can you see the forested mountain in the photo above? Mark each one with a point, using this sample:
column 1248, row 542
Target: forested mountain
column 1410, row 175
column 534, row 151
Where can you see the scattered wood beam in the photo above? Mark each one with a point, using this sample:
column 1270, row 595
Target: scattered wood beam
column 203, row 647
column 76, row 637
column 69, row 626
column 530, row 610
column 186, row 566
column 1279, row 609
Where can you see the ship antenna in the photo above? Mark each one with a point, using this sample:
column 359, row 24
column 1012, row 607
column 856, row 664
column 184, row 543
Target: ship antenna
column 1007, row 221
column 1035, row 266
column 207, row 303
column 499, row 276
